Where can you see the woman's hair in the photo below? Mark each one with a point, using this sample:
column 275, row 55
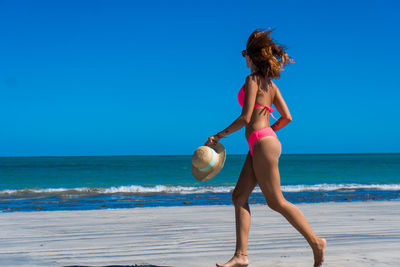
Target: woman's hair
column 268, row 56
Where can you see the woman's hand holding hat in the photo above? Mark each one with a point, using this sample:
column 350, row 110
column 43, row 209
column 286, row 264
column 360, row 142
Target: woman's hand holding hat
column 212, row 140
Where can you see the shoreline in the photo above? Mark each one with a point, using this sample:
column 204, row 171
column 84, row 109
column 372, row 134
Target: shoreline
column 361, row 233
column 69, row 200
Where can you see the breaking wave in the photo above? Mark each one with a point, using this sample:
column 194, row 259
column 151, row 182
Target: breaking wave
column 166, row 189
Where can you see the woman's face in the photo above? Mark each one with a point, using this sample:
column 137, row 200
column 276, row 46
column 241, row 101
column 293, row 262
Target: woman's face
column 249, row 63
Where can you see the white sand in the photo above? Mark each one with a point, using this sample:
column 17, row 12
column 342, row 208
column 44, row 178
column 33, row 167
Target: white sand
column 358, row 234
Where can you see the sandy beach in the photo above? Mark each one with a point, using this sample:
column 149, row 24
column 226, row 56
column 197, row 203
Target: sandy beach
column 358, row 234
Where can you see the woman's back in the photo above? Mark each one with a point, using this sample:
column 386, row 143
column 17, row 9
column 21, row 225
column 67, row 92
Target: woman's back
column 265, row 97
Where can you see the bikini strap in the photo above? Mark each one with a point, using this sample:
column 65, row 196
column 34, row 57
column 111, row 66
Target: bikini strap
column 270, row 111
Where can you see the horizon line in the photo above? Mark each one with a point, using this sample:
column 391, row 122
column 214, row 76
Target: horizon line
column 179, row 155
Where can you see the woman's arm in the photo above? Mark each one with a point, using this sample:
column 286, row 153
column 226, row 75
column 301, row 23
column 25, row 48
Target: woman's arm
column 282, row 108
column 235, row 126
column 250, row 93
column 250, row 90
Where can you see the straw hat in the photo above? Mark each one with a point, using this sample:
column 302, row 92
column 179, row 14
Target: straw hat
column 207, row 161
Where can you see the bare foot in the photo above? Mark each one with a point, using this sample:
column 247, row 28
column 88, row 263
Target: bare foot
column 238, row 260
column 319, row 251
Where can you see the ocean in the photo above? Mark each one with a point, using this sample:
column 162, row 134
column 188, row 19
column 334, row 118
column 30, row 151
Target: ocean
column 102, row 182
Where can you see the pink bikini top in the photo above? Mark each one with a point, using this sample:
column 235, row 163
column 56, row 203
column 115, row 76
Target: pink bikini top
column 241, row 101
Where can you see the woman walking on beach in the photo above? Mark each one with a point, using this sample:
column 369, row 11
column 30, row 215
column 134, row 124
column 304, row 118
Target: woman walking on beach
column 266, row 59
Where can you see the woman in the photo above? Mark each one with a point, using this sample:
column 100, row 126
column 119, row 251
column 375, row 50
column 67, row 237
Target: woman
column 266, row 59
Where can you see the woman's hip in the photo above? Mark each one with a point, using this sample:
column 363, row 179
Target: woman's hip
column 260, row 133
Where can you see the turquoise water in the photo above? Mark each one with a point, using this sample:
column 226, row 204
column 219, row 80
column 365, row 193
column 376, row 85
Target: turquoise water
column 161, row 180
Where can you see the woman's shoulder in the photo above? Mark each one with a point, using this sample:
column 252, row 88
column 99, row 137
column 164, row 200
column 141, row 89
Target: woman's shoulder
column 254, row 77
column 274, row 88
column 262, row 81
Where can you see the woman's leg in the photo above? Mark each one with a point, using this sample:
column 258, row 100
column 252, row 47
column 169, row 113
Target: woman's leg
column 266, row 153
column 244, row 186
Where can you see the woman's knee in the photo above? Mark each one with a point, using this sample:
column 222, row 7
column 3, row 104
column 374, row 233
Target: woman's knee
column 277, row 204
column 238, row 198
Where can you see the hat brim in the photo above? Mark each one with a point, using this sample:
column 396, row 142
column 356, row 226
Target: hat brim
column 219, row 164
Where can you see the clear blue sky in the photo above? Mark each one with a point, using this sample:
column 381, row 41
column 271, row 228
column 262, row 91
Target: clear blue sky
column 159, row 77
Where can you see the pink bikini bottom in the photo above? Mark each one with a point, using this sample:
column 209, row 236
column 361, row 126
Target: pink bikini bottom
column 257, row 134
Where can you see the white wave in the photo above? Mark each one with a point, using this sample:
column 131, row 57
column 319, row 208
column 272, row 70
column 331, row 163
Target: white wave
column 202, row 189
column 333, row 187
column 45, row 190
column 169, row 189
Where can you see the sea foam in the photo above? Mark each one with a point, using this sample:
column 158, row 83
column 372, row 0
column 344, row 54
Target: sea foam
column 139, row 189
